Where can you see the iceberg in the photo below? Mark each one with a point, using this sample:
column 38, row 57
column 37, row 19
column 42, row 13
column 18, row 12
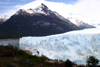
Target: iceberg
column 75, row 45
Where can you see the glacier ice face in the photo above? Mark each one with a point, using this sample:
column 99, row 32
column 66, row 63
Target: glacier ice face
column 75, row 45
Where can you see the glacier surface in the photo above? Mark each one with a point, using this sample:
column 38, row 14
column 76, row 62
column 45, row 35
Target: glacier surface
column 74, row 45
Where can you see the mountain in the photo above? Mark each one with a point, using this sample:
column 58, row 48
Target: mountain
column 80, row 23
column 40, row 21
column 2, row 19
column 95, row 22
column 75, row 45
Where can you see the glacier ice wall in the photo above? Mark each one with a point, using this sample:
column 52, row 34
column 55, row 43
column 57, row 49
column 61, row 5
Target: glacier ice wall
column 75, row 45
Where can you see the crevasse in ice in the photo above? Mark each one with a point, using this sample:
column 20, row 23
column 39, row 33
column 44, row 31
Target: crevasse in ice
column 75, row 45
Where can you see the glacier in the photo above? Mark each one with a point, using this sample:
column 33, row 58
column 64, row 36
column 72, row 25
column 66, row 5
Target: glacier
column 75, row 45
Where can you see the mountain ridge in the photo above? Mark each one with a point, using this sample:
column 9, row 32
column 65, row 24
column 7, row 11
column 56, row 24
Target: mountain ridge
column 80, row 23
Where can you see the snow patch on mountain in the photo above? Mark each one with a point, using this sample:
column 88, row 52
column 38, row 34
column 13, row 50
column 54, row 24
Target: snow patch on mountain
column 3, row 19
column 43, row 9
column 75, row 45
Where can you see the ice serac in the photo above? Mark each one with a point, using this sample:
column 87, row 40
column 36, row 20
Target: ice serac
column 75, row 45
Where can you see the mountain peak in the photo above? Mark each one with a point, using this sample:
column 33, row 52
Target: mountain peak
column 44, row 6
column 21, row 12
column 42, row 9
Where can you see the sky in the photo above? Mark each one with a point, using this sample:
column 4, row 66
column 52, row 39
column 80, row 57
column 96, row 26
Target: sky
column 82, row 9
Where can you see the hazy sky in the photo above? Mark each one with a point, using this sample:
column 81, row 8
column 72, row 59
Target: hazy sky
column 82, row 9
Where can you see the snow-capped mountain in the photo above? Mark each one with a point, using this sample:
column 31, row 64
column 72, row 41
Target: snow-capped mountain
column 80, row 23
column 40, row 21
column 43, row 9
column 75, row 45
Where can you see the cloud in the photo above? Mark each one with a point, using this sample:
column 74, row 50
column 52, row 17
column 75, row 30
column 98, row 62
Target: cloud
column 17, row 6
column 82, row 9
column 87, row 8
column 10, row 11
